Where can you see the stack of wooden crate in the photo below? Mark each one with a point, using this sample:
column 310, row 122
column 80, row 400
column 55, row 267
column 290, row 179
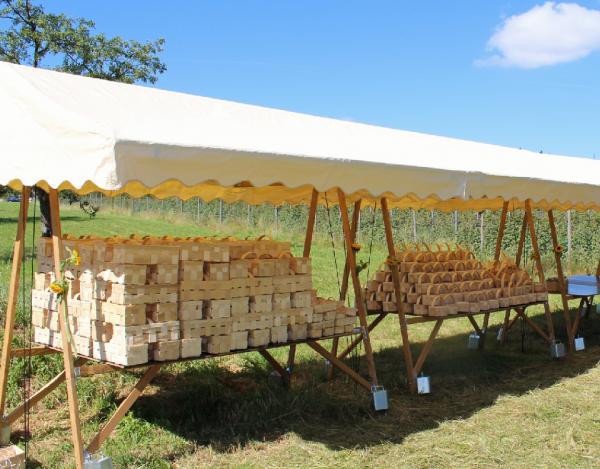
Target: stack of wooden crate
column 144, row 299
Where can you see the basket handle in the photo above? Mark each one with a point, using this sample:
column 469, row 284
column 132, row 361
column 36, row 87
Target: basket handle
column 70, row 236
column 396, row 248
column 284, row 253
column 265, row 237
column 449, row 297
column 246, row 255
column 135, row 236
column 265, row 255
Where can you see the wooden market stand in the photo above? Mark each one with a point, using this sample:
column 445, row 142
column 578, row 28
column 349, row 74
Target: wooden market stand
column 78, row 368
column 413, row 368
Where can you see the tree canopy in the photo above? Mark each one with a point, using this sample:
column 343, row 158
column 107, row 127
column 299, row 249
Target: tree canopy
column 64, row 43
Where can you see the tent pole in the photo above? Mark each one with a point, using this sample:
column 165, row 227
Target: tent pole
column 522, row 240
column 57, row 248
column 344, row 289
column 401, row 317
column 357, row 293
column 538, row 262
column 497, row 258
column 13, row 295
column 561, row 280
column 306, row 253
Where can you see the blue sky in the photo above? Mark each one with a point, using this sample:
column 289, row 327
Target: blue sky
column 419, row 66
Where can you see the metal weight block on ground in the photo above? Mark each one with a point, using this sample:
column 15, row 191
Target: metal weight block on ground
column 557, row 350
column 423, row 384
column 579, row 345
column 379, row 399
column 474, row 341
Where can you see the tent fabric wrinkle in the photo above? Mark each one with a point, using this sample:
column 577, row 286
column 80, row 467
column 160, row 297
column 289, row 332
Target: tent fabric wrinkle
column 83, row 134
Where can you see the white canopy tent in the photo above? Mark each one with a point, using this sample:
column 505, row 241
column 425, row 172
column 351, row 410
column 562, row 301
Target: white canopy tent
column 84, row 134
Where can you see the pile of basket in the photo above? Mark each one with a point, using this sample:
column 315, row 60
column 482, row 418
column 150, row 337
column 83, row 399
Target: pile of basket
column 447, row 279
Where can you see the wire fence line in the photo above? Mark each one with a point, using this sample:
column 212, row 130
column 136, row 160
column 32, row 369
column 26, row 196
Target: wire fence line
column 577, row 232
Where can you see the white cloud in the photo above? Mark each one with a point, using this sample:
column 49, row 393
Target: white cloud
column 545, row 35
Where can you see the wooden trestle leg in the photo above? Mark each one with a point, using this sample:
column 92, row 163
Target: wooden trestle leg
column 561, row 280
column 13, row 295
column 344, row 289
column 497, row 258
column 57, row 248
column 412, row 381
column 307, row 245
column 360, row 305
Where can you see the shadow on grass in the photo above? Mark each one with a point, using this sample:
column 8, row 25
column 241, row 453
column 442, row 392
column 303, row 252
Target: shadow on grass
column 227, row 406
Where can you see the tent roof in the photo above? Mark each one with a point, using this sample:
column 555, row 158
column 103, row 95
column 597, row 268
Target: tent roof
column 85, row 134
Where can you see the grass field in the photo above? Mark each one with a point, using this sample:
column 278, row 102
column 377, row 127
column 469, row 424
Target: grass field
column 508, row 406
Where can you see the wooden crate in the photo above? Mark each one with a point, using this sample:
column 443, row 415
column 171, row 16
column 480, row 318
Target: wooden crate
column 252, row 321
column 205, row 328
column 216, row 271
column 45, row 264
column 162, row 312
column 297, row 332
column 301, row 299
column 143, row 294
column 124, row 315
column 83, row 345
column 216, row 344
column 347, row 321
column 214, row 309
column 243, row 287
column 321, row 305
column 161, row 274
column 93, row 309
column 163, row 351
column 101, row 290
column 264, row 287
column 190, row 310
column 96, row 330
column 44, row 299
column 84, row 247
column 145, row 254
column 262, row 267
column 120, row 354
column 239, row 268
column 86, row 291
column 41, row 317
column 146, row 334
column 43, row 280
column 301, row 315
column 191, row 348
column 281, row 301
column 204, row 251
column 259, row 338
column 120, row 273
column 261, row 303
column 45, row 336
column 191, row 271
column 282, row 267
column 12, row 457
column 279, row 334
column 267, row 245
column 239, row 340
column 240, row 306
column 301, row 265
column 206, row 290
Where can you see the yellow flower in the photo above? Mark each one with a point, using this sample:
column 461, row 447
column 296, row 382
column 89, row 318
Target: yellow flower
column 356, row 247
column 535, row 256
column 558, row 249
column 56, row 288
column 76, row 258
column 391, row 262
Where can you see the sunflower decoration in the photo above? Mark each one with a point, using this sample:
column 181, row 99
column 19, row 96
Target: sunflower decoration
column 558, row 250
column 534, row 256
column 60, row 288
column 391, row 262
column 356, row 247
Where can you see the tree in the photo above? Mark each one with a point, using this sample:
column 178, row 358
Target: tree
column 35, row 36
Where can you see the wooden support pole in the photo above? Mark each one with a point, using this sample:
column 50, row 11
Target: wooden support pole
column 501, row 231
column 398, row 293
column 505, row 327
column 359, row 338
column 357, row 293
column 428, row 345
column 123, row 409
column 57, row 249
column 561, row 280
column 312, row 213
column 340, row 364
column 538, row 263
column 578, row 317
column 512, row 323
column 39, row 395
column 484, row 331
column 93, row 370
column 13, row 295
column 31, row 352
column 522, row 240
column 344, row 289
column 274, row 363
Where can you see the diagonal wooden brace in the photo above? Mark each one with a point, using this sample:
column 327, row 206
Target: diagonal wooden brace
column 123, row 409
column 428, row 345
column 274, row 363
column 341, row 365
column 359, row 338
column 535, row 327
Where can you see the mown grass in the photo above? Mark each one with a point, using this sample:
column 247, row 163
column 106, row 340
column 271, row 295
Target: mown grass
column 506, row 406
